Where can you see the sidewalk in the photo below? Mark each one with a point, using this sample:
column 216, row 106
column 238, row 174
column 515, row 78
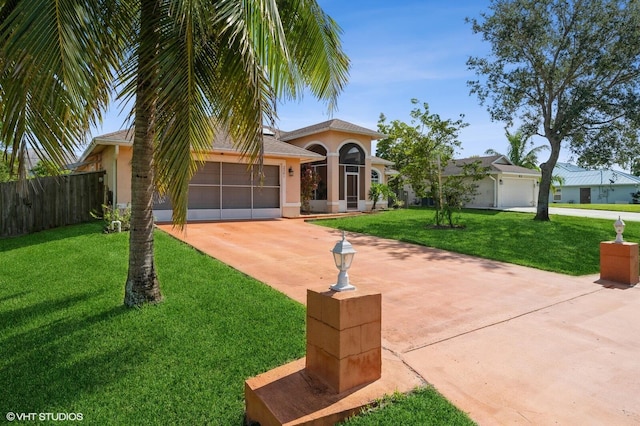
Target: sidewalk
column 504, row 343
column 596, row 214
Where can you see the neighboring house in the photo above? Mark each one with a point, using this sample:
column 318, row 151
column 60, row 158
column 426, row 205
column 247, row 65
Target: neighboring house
column 226, row 188
column 593, row 186
column 505, row 185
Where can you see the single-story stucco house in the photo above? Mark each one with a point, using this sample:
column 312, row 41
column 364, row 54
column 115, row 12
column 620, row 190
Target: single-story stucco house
column 505, row 185
column 225, row 188
column 585, row 186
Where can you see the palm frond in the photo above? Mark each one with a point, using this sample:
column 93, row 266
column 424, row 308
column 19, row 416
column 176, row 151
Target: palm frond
column 56, row 73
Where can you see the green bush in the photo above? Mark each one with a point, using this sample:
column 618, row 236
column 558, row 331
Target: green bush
column 111, row 214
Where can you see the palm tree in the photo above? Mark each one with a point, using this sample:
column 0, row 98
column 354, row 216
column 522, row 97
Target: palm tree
column 182, row 62
column 517, row 152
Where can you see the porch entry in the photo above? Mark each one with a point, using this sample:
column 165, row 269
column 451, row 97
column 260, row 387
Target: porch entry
column 352, row 190
column 352, row 177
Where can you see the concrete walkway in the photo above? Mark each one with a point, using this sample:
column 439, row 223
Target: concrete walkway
column 504, row 343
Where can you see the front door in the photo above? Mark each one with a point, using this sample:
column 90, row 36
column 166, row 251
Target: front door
column 352, row 191
column 585, row 195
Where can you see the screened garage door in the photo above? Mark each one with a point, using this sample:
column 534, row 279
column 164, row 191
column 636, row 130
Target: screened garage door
column 229, row 191
column 517, row 193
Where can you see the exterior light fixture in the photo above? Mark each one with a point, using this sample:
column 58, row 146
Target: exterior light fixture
column 290, row 171
column 619, row 227
column 501, row 182
column 343, row 254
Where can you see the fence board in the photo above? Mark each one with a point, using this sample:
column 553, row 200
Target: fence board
column 50, row 202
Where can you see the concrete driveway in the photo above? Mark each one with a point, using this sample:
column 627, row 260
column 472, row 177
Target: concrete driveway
column 506, row 344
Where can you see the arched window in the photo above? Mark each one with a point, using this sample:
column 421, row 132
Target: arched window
column 351, row 154
column 375, row 176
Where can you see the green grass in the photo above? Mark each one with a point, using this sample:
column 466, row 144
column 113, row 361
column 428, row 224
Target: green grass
column 67, row 344
column 422, row 407
column 569, row 245
column 632, row 208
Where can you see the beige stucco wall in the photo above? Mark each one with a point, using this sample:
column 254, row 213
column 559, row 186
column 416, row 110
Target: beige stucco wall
column 486, row 193
column 118, row 174
column 291, row 205
column 123, row 184
column 116, row 162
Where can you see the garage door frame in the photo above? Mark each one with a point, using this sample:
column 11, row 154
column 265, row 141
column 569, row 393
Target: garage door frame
column 162, row 211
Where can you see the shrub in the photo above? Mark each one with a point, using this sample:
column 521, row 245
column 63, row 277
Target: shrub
column 111, row 214
column 379, row 191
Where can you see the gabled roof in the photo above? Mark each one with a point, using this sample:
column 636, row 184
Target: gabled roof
column 494, row 163
column 382, row 161
column 578, row 176
column 272, row 146
column 335, row 125
column 221, row 143
column 121, row 137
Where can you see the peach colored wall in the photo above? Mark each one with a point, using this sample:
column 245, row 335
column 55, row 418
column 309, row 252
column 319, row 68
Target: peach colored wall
column 106, row 164
column 124, row 174
column 291, row 205
column 118, row 181
column 333, row 141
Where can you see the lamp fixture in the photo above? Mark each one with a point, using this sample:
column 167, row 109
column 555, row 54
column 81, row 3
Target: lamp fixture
column 343, row 254
column 290, row 171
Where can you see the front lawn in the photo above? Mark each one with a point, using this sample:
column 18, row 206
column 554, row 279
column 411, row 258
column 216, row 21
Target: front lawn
column 67, row 344
column 569, row 245
column 422, row 407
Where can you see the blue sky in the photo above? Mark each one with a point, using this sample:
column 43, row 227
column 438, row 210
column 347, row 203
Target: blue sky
column 399, row 51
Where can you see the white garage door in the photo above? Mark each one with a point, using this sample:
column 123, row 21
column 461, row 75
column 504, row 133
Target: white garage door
column 517, row 192
column 229, row 191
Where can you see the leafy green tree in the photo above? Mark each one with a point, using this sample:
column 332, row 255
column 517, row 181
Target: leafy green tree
column 568, row 70
column 635, row 167
column 181, row 62
column 47, row 168
column 457, row 190
column 420, row 150
column 521, row 151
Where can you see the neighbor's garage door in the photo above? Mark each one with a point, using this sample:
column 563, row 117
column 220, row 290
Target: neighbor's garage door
column 229, row 191
column 517, row 193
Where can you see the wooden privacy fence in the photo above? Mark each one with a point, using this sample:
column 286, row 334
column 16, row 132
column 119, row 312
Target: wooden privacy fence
column 49, row 202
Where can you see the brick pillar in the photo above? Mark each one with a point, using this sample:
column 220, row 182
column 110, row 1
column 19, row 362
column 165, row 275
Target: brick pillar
column 619, row 262
column 344, row 347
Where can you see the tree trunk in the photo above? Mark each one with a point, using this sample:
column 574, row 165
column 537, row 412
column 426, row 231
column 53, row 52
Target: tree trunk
column 545, row 182
column 142, row 282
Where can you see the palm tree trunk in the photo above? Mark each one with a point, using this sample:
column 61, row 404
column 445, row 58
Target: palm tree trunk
column 142, row 281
